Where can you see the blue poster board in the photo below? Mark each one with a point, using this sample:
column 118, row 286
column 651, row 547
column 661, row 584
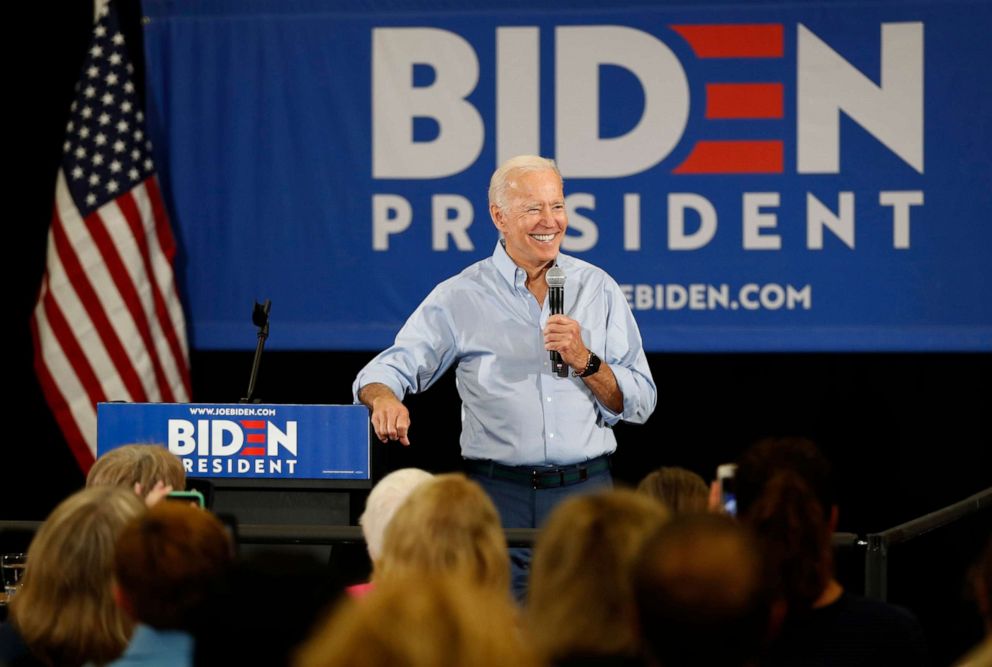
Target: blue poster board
column 802, row 176
column 252, row 442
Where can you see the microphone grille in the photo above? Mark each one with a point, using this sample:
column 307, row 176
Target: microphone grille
column 555, row 277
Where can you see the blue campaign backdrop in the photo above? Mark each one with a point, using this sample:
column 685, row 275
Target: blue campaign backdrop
column 810, row 176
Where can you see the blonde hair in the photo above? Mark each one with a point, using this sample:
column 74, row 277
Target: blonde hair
column 447, row 525
column 581, row 600
column 144, row 464
column 420, row 621
column 501, row 179
column 65, row 610
column 681, row 491
column 385, row 498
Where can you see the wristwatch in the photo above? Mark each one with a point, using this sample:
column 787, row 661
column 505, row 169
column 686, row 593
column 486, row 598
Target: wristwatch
column 592, row 366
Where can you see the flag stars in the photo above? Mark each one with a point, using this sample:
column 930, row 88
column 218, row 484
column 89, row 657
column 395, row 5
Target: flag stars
column 89, row 92
column 70, row 127
column 86, row 112
column 135, row 155
column 126, row 107
column 112, row 186
column 111, row 79
column 115, row 58
column 94, row 179
column 77, row 173
column 96, row 51
column 130, row 68
column 117, row 39
column 115, row 166
column 90, row 199
column 66, row 147
column 84, row 132
column 93, row 72
column 122, row 126
column 97, row 159
column 100, row 139
column 119, row 146
column 133, row 174
column 105, row 119
column 148, row 164
column 100, row 31
column 138, row 135
column 80, row 153
column 107, row 99
column 139, row 116
column 128, row 87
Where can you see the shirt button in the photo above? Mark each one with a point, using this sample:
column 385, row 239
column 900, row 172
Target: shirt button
column 549, row 399
column 551, row 435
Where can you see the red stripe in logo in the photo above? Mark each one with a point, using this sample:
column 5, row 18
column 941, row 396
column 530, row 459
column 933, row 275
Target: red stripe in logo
column 733, row 157
column 753, row 40
column 744, row 100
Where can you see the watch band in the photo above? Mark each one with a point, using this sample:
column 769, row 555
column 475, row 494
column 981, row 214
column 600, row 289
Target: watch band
column 592, row 366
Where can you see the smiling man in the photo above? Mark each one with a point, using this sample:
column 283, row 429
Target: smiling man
column 530, row 437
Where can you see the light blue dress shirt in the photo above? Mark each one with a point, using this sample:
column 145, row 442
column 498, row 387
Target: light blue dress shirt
column 515, row 411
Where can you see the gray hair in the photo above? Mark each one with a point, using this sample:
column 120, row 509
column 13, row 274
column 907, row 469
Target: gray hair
column 385, row 498
column 500, row 181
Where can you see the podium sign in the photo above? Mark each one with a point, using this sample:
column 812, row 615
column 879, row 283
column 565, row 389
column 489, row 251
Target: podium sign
column 252, row 442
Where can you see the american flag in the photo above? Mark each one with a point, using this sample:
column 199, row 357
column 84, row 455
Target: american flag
column 108, row 324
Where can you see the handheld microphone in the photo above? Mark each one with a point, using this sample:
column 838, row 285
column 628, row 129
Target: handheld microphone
column 556, row 304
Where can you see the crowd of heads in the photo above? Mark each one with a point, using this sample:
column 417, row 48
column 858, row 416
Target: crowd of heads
column 650, row 577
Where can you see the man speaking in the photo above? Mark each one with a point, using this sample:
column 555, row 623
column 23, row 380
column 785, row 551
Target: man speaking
column 529, row 436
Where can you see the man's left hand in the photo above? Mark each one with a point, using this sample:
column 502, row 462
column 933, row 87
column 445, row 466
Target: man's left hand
column 564, row 335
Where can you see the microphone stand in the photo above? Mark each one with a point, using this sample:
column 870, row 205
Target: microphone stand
column 260, row 318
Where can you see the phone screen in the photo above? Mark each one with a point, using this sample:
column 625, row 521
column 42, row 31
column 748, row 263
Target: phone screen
column 728, row 497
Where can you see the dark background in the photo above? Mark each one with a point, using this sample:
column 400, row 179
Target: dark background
column 907, row 433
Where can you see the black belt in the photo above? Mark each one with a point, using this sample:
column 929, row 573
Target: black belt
column 540, row 478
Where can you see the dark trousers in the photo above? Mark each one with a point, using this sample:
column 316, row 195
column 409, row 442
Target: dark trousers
column 521, row 506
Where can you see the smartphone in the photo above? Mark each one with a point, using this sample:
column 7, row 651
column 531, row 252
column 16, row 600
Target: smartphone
column 192, row 497
column 725, row 477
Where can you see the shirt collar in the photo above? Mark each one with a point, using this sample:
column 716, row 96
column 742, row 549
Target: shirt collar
column 508, row 269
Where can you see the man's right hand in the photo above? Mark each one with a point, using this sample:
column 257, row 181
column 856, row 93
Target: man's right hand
column 390, row 418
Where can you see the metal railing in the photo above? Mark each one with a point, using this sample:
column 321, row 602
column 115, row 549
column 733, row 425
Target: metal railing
column 877, row 555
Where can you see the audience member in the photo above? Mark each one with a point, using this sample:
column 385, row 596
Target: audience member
column 447, row 525
column 981, row 582
column 682, row 491
column 151, row 471
column 423, row 620
column 703, row 595
column 785, row 493
column 581, row 607
column 65, row 613
column 385, row 498
column 164, row 564
column 262, row 609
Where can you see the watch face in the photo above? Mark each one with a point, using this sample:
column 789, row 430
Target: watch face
column 594, row 363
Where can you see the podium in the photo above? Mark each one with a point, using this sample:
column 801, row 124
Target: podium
column 268, row 464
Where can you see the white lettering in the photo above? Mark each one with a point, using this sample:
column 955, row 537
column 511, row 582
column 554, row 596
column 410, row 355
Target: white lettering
column 579, row 53
column 819, row 216
column 588, row 232
column 892, row 111
column 443, row 226
column 678, row 239
column 755, row 220
column 518, row 95
column 391, row 214
column 900, row 203
column 396, row 102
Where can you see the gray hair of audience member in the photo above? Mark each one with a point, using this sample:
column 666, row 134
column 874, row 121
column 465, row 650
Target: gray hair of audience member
column 702, row 593
column 385, row 498
column 580, row 602
column 421, row 620
column 679, row 489
column 502, row 178
column 142, row 464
